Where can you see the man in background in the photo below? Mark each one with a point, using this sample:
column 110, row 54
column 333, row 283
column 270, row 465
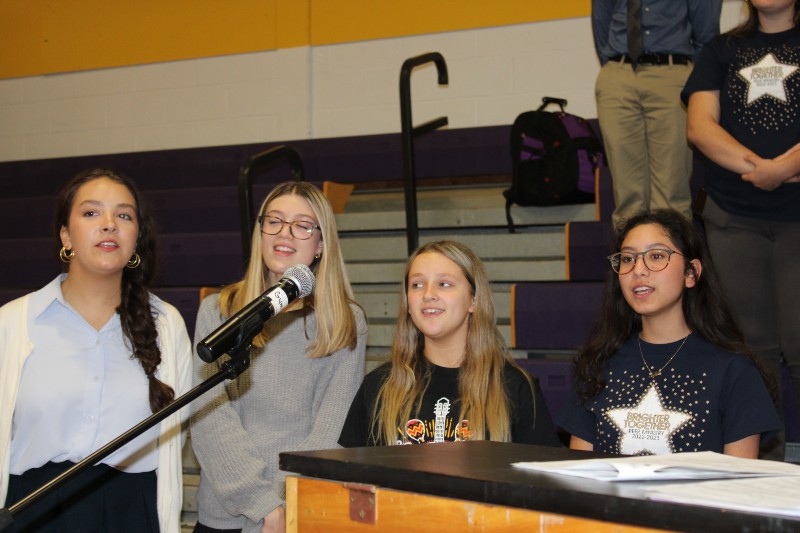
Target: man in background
column 646, row 49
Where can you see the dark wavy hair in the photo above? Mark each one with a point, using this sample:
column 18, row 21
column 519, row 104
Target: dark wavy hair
column 136, row 315
column 705, row 308
column 749, row 26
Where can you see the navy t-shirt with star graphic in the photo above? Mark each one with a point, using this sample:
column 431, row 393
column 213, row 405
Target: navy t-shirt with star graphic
column 704, row 398
column 758, row 80
column 437, row 419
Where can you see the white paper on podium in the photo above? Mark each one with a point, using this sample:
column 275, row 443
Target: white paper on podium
column 678, row 466
column 773, row 495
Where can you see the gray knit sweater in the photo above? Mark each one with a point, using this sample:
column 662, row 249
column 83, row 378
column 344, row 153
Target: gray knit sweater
column 285, row 401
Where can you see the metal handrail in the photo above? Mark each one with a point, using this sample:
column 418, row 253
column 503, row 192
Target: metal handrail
column 246, row 173
column 408, row 134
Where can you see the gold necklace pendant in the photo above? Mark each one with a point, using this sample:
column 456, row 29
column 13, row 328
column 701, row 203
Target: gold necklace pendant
column 656, row 373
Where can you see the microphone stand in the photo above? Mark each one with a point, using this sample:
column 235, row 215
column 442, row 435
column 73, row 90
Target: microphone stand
column 239, row 362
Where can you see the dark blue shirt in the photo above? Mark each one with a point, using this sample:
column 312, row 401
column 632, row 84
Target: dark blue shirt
column 703, row 399
column 758, row 80
column 668, row 26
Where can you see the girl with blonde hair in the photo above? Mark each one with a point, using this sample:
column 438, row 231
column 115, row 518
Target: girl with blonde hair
column 306, row 366
column 450, row 376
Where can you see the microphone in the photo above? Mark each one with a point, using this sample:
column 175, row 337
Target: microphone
column 297, row 282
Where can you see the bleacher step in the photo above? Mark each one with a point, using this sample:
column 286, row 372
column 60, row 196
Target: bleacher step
column 451, row 208
column 538, row 243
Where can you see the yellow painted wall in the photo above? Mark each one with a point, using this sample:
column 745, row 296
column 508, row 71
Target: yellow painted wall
column 50, row 36
column 357, row 20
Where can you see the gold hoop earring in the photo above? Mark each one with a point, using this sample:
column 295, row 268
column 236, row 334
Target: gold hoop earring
column 66, row 255
column 135, row 261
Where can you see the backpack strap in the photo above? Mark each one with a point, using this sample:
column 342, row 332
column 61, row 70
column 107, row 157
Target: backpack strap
column 547, row 100
column 508, row 216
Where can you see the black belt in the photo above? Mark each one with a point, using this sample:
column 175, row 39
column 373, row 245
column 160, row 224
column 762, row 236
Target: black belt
column 655, row 59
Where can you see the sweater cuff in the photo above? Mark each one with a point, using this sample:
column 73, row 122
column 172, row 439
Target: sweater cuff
column 267, row 503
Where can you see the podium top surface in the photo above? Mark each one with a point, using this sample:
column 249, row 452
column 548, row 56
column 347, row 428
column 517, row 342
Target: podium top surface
column 481, row 471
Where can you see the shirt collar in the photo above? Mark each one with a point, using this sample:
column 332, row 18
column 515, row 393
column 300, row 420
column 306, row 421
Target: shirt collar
column 47, row 296
column 50, row 296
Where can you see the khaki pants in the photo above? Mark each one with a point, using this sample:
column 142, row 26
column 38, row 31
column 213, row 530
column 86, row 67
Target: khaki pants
column 644, row 132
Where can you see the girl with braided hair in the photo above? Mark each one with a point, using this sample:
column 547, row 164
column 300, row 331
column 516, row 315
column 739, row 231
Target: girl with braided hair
column 86, row 358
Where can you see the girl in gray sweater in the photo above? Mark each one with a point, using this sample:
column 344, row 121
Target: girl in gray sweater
column 306, row 365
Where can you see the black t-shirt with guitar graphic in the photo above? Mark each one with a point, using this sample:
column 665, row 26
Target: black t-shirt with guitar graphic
column 438, row 417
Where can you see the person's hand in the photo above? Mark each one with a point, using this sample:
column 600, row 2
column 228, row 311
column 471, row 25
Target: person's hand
column 786, row 154
column 275, row 522
column 768, row 174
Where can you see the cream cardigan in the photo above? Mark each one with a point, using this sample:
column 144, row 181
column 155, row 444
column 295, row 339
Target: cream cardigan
column 174, row 370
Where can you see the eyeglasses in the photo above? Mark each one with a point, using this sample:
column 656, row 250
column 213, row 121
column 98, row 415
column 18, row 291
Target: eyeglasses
column 655, row 260
column 300, row 229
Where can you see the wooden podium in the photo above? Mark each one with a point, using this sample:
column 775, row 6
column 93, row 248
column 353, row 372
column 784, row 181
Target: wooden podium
column 471, row 486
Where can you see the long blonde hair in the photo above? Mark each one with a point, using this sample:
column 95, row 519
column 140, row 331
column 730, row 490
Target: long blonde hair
column 332, row 296
column 483, row 399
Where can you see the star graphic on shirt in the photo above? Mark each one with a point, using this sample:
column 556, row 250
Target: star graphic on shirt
column 647, row 427
column 767, row 78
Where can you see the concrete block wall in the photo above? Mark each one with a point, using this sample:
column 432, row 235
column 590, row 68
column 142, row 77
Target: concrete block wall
column 301, row 93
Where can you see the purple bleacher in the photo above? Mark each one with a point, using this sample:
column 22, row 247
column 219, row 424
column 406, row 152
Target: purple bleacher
column 28, row 264
column 451, row 152
column 589, row 244
column 554, row 315
column 194, row 210
column 160, row 169
column 555, row 380
column 605, row 195
column 200, row 259
column 26, row 217
column 186, row 300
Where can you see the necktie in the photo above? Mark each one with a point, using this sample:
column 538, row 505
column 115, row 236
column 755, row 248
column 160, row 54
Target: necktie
column 634, row 30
